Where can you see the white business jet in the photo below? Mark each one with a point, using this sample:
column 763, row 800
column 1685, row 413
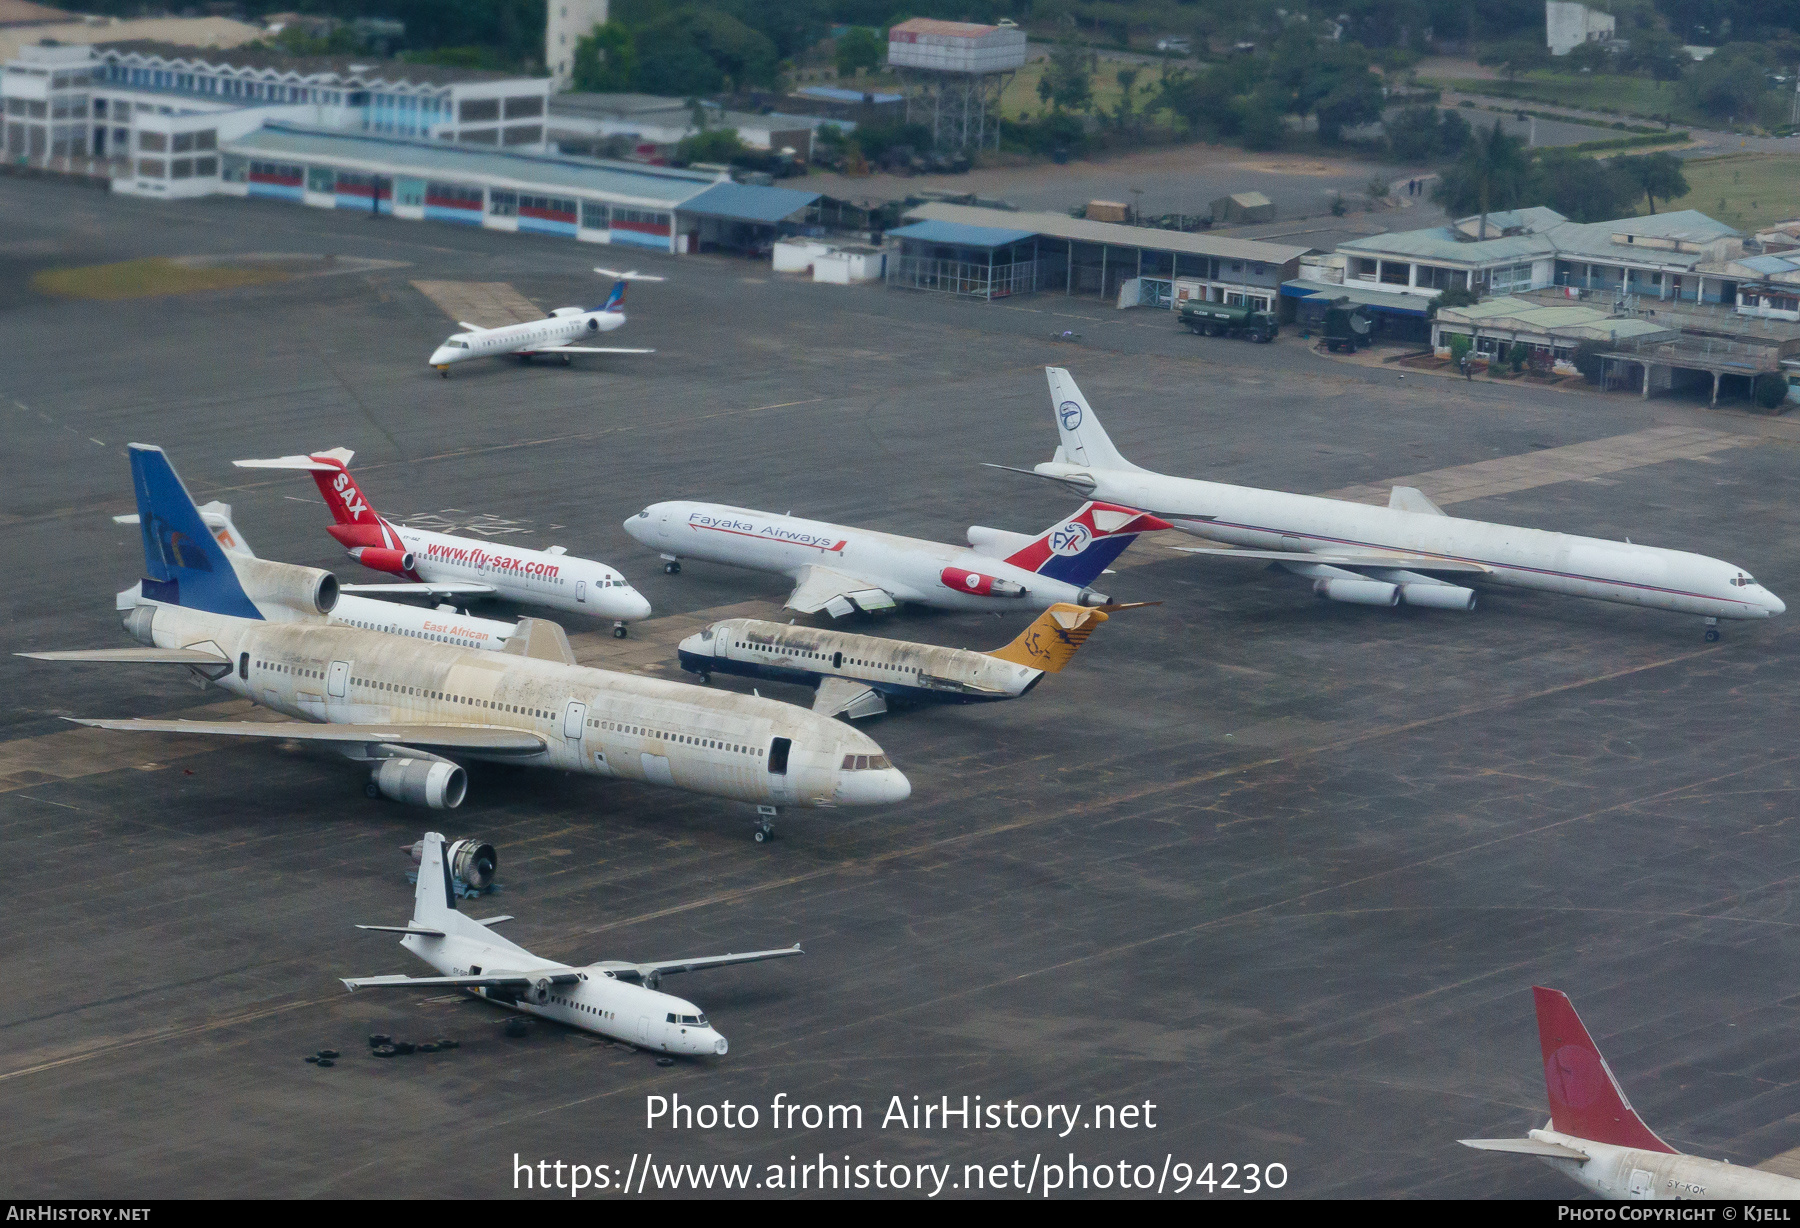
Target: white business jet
column 1407, row 551
column 556, row 334
column 615, row 998
column 443, row 565
column 1597, row 1138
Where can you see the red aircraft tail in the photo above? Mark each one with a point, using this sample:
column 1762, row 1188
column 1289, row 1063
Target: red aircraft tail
column 1585, row 1099
column 357, row 523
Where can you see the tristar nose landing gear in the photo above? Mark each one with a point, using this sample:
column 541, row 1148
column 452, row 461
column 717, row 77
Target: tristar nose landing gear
column 765, row 823
column 619, row 629
column 671, row 565
column 1712, row 631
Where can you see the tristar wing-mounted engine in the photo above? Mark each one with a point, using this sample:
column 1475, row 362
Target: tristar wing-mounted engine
column 425, row 781
column 311, row 590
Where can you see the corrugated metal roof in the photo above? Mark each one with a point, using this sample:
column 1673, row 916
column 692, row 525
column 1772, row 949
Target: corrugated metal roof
column 375, row 72
column 655, row 185
column 1443, row 243
column 742, row 202
column 944, row 29
column 1062, row 226
column 1381, row 300
column 1770, row 264
column 959, row 235
column 833, row 93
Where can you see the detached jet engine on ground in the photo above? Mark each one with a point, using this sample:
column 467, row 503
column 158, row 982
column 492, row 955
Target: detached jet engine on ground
column 443, row 625
column 405, row 706
column 858, row 675
column 614, row 998
column 840, row 570
column 555, row 334
column 1597, row 1138
column 443, row 565
column 1408, row 551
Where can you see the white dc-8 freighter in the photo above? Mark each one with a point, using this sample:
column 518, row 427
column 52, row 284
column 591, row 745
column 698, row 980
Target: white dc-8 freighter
column 1408, row 551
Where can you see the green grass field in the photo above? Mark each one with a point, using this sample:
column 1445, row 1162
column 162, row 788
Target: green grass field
column 142, row 278
column 1742, row 190
column 1603, row 92
column 1020, row 100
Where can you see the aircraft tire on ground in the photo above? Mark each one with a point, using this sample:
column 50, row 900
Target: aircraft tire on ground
column 372, row 791
column 618, row 633
column 1712, row 635
column 671, row 569
column 566, row 360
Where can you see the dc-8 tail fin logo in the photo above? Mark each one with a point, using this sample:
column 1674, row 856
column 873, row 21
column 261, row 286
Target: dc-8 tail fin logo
column 1069, row 413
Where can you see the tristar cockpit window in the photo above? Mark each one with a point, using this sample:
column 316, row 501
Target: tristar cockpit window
column 867, row 763
column 1743, row 579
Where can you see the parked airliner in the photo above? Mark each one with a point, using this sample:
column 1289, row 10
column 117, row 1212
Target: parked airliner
column 1408, row 551
column 615, row 998
column 1597, row 1138
column 443, row 565
column 555, row 334
column 405, row 705
column 857, row 675
column 839, row 569
column 443, row 625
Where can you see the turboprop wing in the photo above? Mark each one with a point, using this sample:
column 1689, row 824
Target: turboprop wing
column 654, row 971
column 821, row 588
column 498, row 980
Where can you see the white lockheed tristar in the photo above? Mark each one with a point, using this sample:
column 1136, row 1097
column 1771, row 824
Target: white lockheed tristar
column 555, row 334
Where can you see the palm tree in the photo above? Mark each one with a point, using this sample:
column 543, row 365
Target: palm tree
column 1489, row 174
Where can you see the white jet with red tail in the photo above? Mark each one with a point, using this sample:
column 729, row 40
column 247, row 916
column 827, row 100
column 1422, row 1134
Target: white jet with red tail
column 442, row 565
column 556, row 334
column 840, row 569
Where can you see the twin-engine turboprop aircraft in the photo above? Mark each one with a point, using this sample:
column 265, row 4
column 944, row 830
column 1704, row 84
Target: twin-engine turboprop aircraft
column 1597, row 1138
column 555, row 334
column 840, row 570
column 407, row 706
column 858, row 675
column 1408, row 551
column 443, row 565
column 615, row 998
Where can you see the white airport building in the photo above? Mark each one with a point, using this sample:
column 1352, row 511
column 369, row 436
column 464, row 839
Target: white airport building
column 1567, row 25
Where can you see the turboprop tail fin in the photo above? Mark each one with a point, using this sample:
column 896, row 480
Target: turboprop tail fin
column 1586, row 1101
column 1084, row 440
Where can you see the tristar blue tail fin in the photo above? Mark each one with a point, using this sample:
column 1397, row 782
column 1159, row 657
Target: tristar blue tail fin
column 1078, row 549
column 183, row 564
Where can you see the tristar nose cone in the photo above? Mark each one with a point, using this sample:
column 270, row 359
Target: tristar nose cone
column 720, row 1047
column 879, row 788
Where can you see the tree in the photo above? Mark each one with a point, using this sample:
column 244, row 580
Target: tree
column 1455, row 296
column 1770, row 392
column 1729, row 83
column 858, row 48
column 1354, row 101
column 1071, row 82
column 1127, row 78
column 1516, row 56
column 1657, row 174
column 1582, row 189
column 1490, row 174
column 1414, row 134
column 717, row 145
column 606, row 60
column 1658, row 54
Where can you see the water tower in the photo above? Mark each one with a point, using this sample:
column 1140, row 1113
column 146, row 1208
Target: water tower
column 954, row 73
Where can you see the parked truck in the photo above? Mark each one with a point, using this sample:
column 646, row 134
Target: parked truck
column 1227, row 320
column 1348, row 327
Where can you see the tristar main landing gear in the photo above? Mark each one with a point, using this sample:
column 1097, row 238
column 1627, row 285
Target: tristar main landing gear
column 1712, row 631
column 765, row 823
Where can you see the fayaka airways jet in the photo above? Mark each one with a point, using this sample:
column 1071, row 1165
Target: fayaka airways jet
column 1407, row 551
column 407, row 706
column 614, row 998
column 443, row 625
column 556, row 334
column 1597, row 1138
column 442, row 565
column 857, row 675
column 839, row 569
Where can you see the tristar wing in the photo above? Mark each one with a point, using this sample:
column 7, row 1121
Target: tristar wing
column 821, row 588
column 428, row 588
column 846, row 696
column 1348, row 559
column 486, row 739
column 498, row 980
column 657, row 969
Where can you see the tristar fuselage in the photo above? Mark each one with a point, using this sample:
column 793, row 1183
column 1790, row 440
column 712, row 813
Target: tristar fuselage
column 594, row 721
column 904, row 568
